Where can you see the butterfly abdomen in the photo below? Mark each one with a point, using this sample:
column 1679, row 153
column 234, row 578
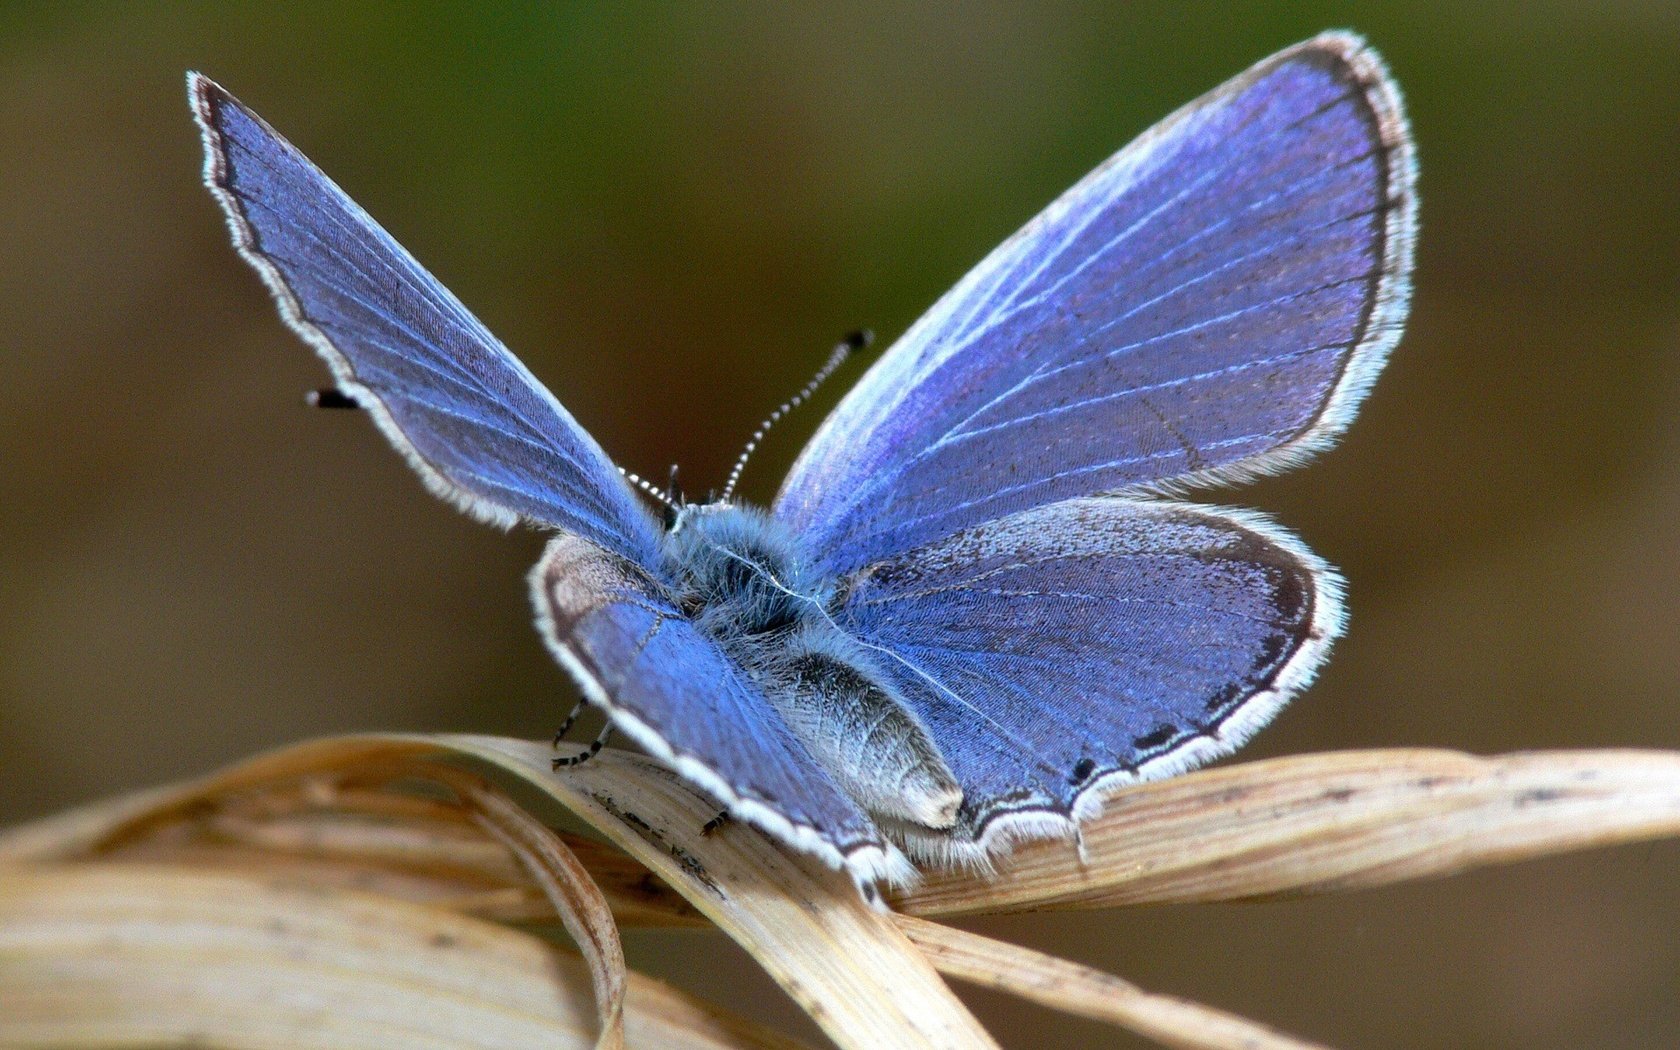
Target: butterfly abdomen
column 825, row 687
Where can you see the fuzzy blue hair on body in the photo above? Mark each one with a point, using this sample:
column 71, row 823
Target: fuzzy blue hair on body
column 740, row 577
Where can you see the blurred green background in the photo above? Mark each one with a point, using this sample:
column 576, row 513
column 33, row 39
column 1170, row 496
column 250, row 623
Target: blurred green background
column 670, row 214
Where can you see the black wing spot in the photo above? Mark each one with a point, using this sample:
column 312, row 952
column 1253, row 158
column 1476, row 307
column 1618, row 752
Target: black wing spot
column 1271, row 649
column 1082, row 771
column 1291, row 596
column 1155, row 738
column 1223, row 698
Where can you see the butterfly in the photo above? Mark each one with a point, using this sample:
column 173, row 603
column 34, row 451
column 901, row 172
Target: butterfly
column 979, row 601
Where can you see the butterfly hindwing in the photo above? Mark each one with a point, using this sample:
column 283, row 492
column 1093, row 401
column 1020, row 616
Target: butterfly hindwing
column 1210, row 303
column 1090, row 642
column 479, row 428
column 678, row 695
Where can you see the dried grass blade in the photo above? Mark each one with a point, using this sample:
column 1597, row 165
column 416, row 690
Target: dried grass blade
column 423, row 850
column 1327, row 822
column 1075, row 989
column 576, row 898
column 846, row 964
column 73, row 832
column 135, row 955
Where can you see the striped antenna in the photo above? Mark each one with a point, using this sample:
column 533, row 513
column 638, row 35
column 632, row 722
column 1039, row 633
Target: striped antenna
column 848, row 346
column 648, row 487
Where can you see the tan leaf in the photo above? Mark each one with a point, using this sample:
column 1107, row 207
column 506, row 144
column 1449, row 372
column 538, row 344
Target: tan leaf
column 330, row 812
column 1325, row 822
column 842, row 960
column 1076, row 989
column 134, row 955
column 576, row 898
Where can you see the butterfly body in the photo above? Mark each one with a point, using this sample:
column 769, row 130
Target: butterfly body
column 739, row 576
column 977, row 604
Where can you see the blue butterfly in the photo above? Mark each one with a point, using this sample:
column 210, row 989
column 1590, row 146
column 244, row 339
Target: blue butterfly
column 977, row 603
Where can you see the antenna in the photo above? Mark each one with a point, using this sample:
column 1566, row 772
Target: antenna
column 673, row 500
column 848, row 346
column 330, row 397
column 650, row 488
column 673, row 491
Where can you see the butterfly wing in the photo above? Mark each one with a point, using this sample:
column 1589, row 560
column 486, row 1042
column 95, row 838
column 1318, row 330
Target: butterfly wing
column 676, row 693
column 476, row 424
column 1211, row 303
column 1087, row 643
column 484, row 433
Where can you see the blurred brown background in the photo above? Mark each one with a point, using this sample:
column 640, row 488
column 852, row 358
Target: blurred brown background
column 670, row 216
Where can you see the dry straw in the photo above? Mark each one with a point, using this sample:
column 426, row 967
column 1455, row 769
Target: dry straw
column 386, row 891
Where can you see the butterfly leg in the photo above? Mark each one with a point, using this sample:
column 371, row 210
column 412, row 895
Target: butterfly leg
column 569, row 721
column 715, row 823
column 587, row 753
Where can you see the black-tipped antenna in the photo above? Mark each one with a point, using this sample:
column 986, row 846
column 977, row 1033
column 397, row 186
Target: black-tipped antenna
column 330, row 397
column 848, row 346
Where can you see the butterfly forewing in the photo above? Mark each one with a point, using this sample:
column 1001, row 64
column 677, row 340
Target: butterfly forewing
column 482, row 431
column 472, row 420
column 1210, row 303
